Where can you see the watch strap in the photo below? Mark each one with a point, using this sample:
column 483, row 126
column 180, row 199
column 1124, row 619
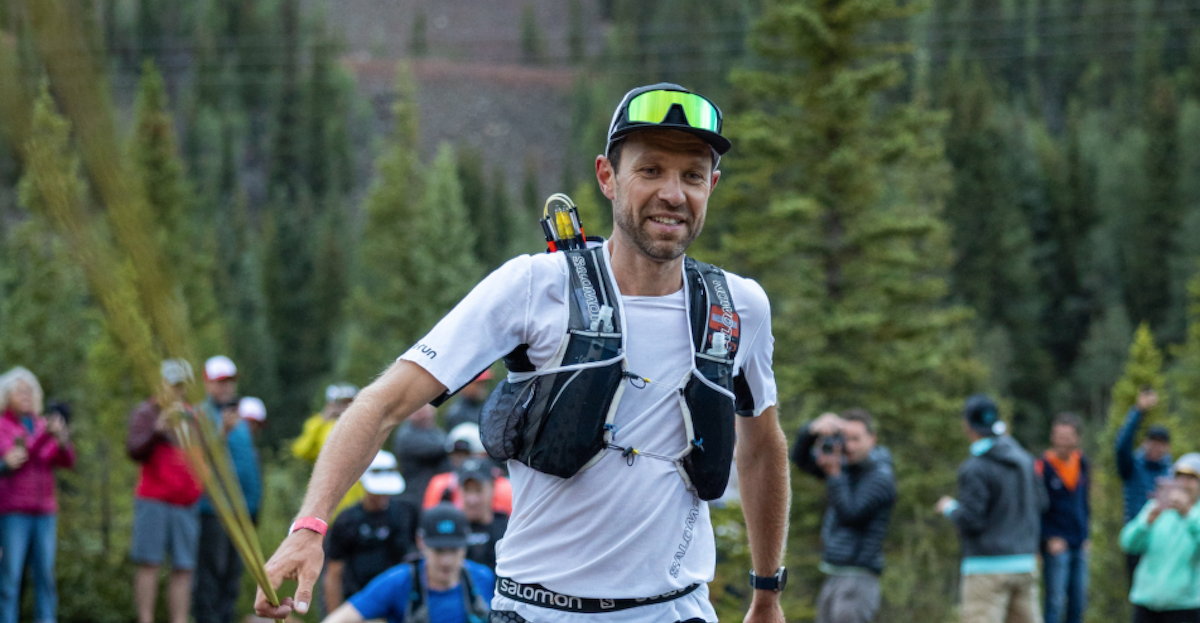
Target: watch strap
column 309, row 523
column 769, row 583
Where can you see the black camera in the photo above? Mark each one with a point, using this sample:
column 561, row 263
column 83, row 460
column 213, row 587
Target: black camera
column 832, row 443
column 62, row 408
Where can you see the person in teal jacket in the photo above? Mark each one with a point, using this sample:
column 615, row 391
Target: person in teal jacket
column 1166, row 533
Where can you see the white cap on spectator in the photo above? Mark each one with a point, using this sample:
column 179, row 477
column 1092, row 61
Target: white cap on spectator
column 219, row 367
column 176, row 371
column 465, row 436
column 252, row 408
column 382, row 478
column 1187, row 464
column 340, row 391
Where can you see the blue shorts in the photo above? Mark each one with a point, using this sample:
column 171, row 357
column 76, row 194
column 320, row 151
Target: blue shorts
column 160, row 528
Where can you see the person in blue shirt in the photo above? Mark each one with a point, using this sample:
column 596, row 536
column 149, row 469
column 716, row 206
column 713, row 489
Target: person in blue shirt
column 1140, row 469
column 218, row 566
column 448, row 588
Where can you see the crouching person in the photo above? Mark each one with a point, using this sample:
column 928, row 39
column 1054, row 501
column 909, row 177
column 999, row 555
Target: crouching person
column 444, row 587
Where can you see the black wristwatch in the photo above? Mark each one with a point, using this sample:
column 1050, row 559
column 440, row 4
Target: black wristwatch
column 771, row 583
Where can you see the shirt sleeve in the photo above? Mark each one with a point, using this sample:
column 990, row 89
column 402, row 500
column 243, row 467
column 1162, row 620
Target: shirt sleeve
column 754, row 380
column 485, row 326
column 386, row 597
column 339, row 533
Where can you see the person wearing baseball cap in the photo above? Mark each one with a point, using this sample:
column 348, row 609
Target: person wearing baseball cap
column 998, row 514
column 254, row 412
column 316, row 429
column 463, row 444
column 476, row 491
column 1166, row 535
column 1140, row 469
column 448, row 587
column 219, row 567
column 658, row 169
column 372, row 536
column 166, row 517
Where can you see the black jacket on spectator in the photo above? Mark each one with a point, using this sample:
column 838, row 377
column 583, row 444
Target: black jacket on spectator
column 860, row 505
column 1000, row 502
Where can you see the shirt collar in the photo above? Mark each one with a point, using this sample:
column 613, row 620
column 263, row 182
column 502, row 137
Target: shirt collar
column 978, row 448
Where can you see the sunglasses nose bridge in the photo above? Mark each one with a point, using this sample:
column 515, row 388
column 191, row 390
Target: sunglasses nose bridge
column 676, row 114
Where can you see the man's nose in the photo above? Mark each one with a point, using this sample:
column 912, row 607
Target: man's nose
column 671, row 191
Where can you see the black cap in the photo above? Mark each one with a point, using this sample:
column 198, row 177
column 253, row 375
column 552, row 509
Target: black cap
column 475, row 469
column 444, row 527
column 1158, row 432
column 982, row 415
column 675, row 120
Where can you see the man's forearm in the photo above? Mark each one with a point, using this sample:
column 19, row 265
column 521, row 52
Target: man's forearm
column 361, row 431
column 333, row 585
column 763, row 482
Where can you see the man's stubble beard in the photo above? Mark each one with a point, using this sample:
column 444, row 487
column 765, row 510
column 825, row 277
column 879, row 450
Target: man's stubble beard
column 659, row 250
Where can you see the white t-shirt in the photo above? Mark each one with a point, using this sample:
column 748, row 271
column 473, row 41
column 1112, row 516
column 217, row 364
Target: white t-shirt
column 614, row 530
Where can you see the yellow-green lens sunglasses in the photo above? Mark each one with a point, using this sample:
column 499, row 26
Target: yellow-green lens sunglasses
column 654, row 106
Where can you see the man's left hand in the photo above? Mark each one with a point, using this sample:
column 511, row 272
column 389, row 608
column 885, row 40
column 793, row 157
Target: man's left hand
column 57, row 426
column 765, row 608
column 943, row 503
column 831, row 463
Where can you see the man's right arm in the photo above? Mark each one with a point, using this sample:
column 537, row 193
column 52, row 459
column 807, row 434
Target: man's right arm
column 352, row 444
column 333, row 583
column 1124, row 445
column 802, row 454
column 142, row 436
column 346, row 613
column 970, row 515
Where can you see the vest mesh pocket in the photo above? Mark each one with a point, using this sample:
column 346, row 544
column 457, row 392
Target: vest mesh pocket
column 708, row 463
column 504, row 417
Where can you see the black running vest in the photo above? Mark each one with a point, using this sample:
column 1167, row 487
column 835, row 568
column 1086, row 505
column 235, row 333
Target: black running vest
column 559, row 419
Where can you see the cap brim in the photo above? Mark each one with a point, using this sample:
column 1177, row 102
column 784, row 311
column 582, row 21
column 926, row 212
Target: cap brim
column 719, row 143
column 1187, row 471
column 445, row 541
column 383, row 484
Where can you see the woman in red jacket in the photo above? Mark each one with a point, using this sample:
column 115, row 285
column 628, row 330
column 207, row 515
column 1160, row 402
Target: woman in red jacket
column 31, row 446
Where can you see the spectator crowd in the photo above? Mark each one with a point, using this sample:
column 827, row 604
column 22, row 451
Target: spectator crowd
column 435, row 514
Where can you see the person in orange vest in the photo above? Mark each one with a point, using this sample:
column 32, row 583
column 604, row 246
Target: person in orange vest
column 463, row 443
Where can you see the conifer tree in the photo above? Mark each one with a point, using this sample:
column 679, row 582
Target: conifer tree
column 836, row 205
column 993, row 270
column 184, row 238
column 1108, row 599
column 1184, row 379
column 414, row 261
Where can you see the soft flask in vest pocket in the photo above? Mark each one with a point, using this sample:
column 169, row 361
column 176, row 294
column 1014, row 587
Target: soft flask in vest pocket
column 708, row 414
column 553, row 423
column 554, row 420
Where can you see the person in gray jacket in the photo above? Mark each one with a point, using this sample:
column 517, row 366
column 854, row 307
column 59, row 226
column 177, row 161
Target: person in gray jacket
column 998, row 514
column 861, row 489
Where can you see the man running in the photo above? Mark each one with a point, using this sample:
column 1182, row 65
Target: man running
column 628, row 530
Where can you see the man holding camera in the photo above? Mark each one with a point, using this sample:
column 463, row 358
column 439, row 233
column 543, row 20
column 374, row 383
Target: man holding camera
column 861, row 489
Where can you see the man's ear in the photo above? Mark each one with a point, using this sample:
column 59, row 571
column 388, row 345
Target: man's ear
column 606, row 176
column 716, row 175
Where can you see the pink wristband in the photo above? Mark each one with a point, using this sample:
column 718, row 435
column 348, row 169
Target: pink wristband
column 309, row 523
